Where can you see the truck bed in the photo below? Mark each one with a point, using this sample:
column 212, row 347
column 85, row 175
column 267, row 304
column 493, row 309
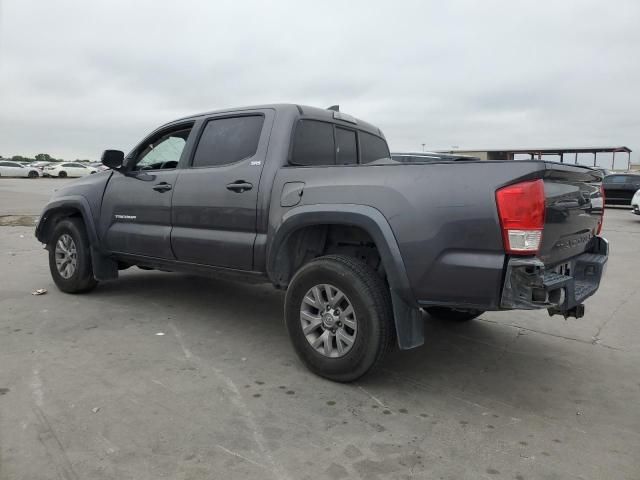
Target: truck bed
column 445, row 220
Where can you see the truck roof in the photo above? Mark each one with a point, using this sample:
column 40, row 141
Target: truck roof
column 305, row 111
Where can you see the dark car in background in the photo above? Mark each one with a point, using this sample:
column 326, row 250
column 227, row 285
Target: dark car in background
column 619, row 188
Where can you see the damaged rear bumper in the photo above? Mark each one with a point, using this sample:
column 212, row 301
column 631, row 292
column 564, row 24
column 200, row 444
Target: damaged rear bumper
column 530, row 284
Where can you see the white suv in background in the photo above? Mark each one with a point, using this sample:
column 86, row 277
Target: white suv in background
column 635, row 202
column 68, row 169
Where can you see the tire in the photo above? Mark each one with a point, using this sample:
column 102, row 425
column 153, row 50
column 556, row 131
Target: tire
column 81, row 277
column 450, row 314
column 370, row 299
column 33, row 174
column 62, row 174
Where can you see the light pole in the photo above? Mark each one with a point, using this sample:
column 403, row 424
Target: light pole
column 423, row 146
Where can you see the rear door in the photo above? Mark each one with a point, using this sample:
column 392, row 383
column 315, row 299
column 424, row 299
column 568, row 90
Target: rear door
column 215, row 199
column 77, row 170
column 135, row 217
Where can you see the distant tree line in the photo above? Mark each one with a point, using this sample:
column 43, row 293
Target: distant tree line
column 41, row 157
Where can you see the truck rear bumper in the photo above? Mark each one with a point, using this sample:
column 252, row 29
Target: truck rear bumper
column 529, row 284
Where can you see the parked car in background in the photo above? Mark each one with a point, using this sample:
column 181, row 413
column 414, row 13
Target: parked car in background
column 68, row 169
column 99, row 166
column 635, row 202
column 40, row 166
column 620, row 187
column 421, row 157
column 16, row 169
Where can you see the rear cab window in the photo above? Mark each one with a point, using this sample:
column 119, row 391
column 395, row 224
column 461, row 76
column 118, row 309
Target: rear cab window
column 323, row 143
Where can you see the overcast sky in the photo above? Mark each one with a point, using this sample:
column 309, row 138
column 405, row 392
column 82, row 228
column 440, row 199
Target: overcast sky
column 77, row 77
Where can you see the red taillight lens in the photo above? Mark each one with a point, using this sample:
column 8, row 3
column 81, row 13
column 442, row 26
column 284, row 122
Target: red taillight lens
column 601, row 221
column 521, row 211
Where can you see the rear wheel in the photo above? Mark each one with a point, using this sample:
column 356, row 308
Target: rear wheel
column 70, row 258
column 339, row 317
column 447, row 313
column 62, row 174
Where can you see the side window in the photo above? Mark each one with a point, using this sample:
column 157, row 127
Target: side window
column 163, row 152
column 372, row 148
column 313, row 143
column 615, row 179
column 5, row 164
column 228, row 140
column 346, row 147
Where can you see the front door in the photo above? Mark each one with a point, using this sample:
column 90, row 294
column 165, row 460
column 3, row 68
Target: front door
column 215, row 199
column 136, row 208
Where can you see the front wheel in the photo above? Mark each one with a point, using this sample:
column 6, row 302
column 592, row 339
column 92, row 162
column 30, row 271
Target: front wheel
column 70, row 258
column 446, row 313
column 339, row 317
column 33, row 174
column 62, row 174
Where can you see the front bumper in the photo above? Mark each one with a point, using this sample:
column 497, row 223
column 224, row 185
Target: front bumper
column 530, row 284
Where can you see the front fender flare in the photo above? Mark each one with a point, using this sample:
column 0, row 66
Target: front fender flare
column 104, row 267
column 407, row 316
column 66, row 204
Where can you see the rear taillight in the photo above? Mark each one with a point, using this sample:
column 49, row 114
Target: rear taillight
column 521, row 211
column 601, row 220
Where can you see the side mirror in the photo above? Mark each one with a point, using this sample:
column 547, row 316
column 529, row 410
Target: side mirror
column 113, row 158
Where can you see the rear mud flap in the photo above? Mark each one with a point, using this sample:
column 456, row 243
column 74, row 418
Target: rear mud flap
column 409, row 323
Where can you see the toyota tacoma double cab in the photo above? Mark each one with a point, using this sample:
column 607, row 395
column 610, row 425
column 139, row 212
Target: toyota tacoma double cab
column 311, row 201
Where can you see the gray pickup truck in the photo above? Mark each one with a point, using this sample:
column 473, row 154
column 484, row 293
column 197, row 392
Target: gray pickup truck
column 309, row 200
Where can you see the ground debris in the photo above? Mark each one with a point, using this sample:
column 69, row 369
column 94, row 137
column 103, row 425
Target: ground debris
column 40, row 291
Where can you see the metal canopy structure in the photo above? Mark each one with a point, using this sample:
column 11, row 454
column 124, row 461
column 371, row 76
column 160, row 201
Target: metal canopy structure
column 563, row 153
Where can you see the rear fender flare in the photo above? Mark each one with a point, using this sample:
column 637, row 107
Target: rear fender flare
column 407, row 316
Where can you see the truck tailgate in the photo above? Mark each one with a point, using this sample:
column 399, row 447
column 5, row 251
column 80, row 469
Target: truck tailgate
column 574, row 208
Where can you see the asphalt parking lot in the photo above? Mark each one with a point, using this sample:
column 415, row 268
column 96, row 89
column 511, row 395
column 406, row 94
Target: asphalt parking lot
column 163, row 375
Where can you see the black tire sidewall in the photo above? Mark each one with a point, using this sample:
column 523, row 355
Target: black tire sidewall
column 82, row 279
column 365, row 349
column 62, row 174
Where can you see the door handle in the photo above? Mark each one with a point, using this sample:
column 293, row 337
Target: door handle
column 162, row 187
column 239, row 186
